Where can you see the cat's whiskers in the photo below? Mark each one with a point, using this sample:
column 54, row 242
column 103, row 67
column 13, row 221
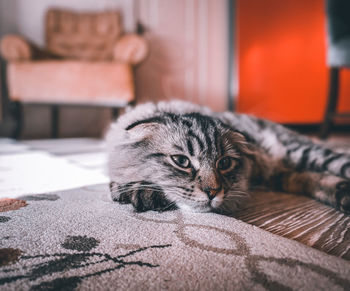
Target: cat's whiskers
column 140, row 187
column 232, row 192
column 236, row 195
column 169, row 189
column 233, row 201
column 177, row 194
column 169, row 206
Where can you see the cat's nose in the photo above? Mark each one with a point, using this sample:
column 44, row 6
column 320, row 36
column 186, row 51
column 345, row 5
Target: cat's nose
column 211, row 192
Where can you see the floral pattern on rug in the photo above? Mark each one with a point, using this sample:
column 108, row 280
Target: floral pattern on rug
column 9, row 256
column 58, row 264
column 8, row 204
column 242, row 249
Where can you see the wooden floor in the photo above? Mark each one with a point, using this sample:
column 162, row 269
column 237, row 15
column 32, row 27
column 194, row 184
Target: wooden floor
column 301, row 219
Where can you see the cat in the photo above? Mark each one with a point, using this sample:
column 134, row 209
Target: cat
column 179, row 155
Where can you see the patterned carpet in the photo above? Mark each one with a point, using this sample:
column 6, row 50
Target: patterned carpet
column 60, row 231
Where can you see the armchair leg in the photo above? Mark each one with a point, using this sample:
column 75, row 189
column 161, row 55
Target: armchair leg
column 18, row 115
column 54, row 121
column 115, row 113
column 333, row 93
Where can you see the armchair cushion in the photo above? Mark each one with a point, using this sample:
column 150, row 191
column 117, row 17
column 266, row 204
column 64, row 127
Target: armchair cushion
column 104, row 83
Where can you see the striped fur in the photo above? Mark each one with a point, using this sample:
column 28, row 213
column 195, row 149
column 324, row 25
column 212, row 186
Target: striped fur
column 176, row 154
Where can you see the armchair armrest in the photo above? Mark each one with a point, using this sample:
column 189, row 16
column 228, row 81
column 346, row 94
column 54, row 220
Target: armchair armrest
column 15, row 48
column 131, row 49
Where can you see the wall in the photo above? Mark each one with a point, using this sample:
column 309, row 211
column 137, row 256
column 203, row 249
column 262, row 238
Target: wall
column 188, row 59
column 282, row 60
column 188, row 56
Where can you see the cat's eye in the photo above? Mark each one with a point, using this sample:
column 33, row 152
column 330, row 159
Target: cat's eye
column 226, row 164
column 181, row 161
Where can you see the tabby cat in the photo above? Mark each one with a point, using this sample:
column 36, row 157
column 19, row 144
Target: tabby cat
column 179, row 155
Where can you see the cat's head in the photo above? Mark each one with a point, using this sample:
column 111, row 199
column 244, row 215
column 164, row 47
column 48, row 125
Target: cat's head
column 198, row 162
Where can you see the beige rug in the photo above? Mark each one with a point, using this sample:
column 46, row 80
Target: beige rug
column 77, row 239
column 80, row 240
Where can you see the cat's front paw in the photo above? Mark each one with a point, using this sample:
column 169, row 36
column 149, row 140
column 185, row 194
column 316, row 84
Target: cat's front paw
column 143, row 196
column 343, row 196
column 144, row 200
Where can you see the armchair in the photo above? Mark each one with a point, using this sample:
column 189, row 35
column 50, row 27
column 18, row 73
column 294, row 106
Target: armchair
column 87, row 61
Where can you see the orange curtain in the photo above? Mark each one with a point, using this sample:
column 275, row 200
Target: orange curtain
column 282, row 60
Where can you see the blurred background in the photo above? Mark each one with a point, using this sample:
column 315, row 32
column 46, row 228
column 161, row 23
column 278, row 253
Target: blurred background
column 267, row 58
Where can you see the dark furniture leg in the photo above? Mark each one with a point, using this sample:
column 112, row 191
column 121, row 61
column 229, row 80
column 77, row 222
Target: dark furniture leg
column 115, row 113
column 54, row 121
column 331, row 103
column 18, row 115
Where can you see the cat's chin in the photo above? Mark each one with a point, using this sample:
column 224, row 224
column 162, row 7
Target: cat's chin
column 215, row 203
column 210, row 206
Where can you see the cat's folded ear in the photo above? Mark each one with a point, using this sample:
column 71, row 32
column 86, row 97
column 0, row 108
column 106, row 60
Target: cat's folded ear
column 239, row 141
column 144, row 128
